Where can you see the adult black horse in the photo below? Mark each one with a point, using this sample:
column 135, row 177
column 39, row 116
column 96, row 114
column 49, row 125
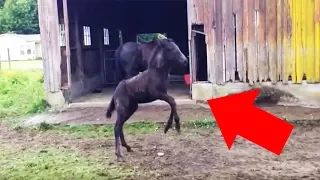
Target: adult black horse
column 132, row 58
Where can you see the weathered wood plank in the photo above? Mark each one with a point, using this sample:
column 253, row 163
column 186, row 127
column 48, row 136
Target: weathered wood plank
column 285, row 43
column 303, row 15
column 293, row 41
column 262, row 52
column 219, row 63
column 194, row 58
column 245, row 39
column 271, row 19
column 224, row 36
column 252, row 54
column 299, row 43
column 101, row 54
column 309, row 47
column 229, row 40
column 291, row 57
column 49, row 32
column 317, row 40
column 67, row 36
column 190, row 14
column 237, row 10
column 209, row 30
column 80, row 70
column 279, row 39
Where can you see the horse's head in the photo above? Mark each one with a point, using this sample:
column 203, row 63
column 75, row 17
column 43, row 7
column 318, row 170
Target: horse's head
column 172, row 52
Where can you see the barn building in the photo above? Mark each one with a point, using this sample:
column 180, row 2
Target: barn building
column 232, row 45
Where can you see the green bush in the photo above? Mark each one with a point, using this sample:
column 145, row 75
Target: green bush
column 21, row 93
column 148, row 37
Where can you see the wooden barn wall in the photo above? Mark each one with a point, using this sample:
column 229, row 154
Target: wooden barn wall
column 48, row 22
column 263, row 40
column 85, row 60
column 202, row 12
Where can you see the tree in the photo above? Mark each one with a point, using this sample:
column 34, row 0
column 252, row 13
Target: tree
column 19, row 16
column 2, row 3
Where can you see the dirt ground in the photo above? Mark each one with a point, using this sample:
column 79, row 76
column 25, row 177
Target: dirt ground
column 186, row 112
column 195, row 154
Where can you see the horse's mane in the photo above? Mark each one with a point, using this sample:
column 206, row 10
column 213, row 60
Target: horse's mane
column 153, row 57
column 166, row 39
column 158, row 43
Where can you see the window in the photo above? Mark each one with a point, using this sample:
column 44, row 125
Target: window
column 28, row 49
column 62, row 35
column 22, row 50
column 106, row 40
column 86, row 36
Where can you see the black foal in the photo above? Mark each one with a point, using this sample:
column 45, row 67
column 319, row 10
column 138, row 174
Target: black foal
column 148, row 86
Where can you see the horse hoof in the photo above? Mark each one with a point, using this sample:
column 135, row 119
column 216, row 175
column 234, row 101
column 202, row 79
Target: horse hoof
column 179, row 131
column 129, row 149
column 166, row 130
column 121, row 159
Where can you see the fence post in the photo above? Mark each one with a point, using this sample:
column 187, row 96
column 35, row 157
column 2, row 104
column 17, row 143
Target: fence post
column 9, row 59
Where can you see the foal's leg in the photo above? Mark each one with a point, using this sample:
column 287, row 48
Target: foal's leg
column 170, row 100
column 131, row 110
column 118, row 129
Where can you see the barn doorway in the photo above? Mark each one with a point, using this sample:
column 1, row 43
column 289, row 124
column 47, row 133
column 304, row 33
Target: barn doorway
column 200, row 53
column 122, row 21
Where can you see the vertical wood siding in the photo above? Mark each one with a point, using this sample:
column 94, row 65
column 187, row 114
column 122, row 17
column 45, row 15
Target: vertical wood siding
column 263, row 40
column 49, row 31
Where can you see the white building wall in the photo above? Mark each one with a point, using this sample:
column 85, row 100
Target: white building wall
column 19, row 49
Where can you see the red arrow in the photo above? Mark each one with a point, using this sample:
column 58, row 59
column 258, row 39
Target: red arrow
column 236, row 115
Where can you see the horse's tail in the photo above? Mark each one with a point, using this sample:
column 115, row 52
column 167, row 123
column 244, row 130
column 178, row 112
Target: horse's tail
column 110, row 108
column 118, row 68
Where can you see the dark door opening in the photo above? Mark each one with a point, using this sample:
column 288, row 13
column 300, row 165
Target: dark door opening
column 200, row 49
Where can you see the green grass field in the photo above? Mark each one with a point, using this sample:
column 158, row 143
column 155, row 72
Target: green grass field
column 22, row 65
column 55, row 163
column 21, row 93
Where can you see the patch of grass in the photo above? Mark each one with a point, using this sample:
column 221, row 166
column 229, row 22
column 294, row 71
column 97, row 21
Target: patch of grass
column 22, row 65
column 21, row 93
column 204, row 123
column 133, row 128
column 93, row 131
column 56, row 164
